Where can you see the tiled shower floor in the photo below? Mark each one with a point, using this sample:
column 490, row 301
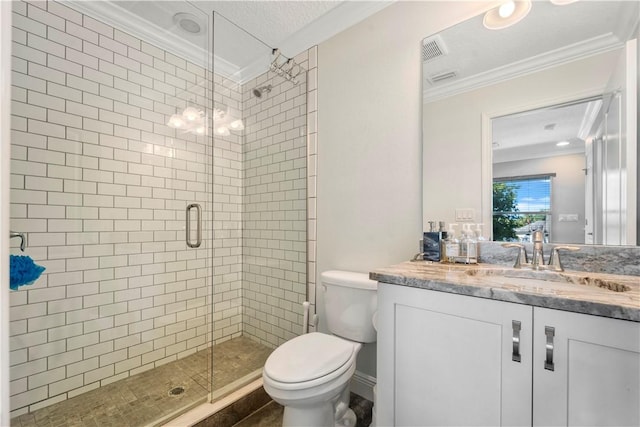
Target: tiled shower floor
column 144, row 398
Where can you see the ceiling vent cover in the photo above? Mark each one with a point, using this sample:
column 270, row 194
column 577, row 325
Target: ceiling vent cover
column 432, row 48
column 438, row 78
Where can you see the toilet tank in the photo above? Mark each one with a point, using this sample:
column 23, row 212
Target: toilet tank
column 350, row 300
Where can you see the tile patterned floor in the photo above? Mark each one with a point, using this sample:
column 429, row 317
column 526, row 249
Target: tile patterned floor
column 270, row 415
column 141, row 399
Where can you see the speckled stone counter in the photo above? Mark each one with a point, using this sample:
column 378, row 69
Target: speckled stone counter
column 600, row 294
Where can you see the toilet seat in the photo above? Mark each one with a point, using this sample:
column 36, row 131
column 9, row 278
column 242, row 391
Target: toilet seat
column 309, row 360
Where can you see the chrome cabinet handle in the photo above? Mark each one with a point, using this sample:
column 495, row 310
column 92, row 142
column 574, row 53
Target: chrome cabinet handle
column 550, row 333
column 515, row 353
column 198, row 226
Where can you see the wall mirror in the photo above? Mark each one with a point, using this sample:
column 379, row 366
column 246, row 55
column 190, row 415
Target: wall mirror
column 496, row 103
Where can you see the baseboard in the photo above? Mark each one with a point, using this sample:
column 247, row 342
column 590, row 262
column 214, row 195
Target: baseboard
column 362, row 385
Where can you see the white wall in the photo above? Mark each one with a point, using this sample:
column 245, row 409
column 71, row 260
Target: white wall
column 369, row 140
column 567, row 190
column 453, row 142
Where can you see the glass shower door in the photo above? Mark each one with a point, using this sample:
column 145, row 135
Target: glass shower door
column 113, row 190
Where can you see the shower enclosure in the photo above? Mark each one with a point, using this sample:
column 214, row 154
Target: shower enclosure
column 166, row 202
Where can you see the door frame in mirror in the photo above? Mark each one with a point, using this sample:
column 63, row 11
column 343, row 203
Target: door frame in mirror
column 487, row 145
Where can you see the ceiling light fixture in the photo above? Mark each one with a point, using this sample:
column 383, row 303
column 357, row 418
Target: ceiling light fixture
column 562, row 143
column 193, row 120
column 506, row 14
column 562, row 2
column 187, row 22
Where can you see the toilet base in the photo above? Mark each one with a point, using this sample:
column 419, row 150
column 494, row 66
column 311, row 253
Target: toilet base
column 321, row 416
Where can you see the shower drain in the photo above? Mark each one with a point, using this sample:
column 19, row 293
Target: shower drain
column 176, row 391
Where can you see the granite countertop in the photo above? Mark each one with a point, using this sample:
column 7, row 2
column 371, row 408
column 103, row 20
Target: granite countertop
column 600, row 294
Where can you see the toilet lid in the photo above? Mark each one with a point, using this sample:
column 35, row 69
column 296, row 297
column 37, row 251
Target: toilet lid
column 308, row 357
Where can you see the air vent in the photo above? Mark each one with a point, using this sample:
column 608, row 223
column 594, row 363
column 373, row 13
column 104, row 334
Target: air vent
column 437, row 78
column 432, row 48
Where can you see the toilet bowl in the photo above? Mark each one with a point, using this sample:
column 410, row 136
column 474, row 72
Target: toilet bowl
column 310, row 374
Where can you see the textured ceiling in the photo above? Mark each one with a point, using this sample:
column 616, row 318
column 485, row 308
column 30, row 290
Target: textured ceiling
column 270, row 21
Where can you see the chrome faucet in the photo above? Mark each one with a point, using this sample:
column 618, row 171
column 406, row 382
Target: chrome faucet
column 537, row 259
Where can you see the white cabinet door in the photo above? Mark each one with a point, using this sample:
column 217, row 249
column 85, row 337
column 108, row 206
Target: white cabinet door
column 446, row 360
column 596, row 370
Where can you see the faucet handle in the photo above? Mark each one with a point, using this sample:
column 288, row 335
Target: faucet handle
column 522, row 253
column 554, row 258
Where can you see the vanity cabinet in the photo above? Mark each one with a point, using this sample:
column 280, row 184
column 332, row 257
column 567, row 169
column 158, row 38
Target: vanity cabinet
column 448, row 359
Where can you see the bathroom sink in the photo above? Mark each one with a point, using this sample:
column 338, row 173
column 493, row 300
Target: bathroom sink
column 565, row 277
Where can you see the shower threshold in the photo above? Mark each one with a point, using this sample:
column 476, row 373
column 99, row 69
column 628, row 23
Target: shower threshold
column 144, row 399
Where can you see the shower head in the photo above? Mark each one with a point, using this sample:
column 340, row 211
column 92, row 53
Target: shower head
column 257, row 92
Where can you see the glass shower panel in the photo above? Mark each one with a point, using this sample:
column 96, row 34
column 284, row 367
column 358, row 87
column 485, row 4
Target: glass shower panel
column 113, row 189
column 259, row 263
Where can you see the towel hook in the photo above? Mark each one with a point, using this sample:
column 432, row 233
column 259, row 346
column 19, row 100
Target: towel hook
column 23, row 240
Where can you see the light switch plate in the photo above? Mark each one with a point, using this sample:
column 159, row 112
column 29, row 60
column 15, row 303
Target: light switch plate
column 465, row 215
column 568, row 218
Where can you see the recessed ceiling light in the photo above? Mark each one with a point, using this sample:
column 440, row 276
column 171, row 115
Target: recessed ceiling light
column 562, row 2
column 187, row 22
column 562, row 143
column 506, row 14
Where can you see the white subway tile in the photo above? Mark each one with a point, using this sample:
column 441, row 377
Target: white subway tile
column 27, row 340
column 97, row 77
column 108, row 67
column 45, row 17
column 97, row 126
column 23, row 81
column 64, row 65
column 48, row 349
column 111, row 93
column 82, row 32
column 98, row 324
column 39, row 183
column 29, row 397
column 73, row 186
column 65, row 119
column 98, row 349
column 113, row 333
column 64, row 39
column 88, row 364
column 65, row 385
column 127, row 39
column 81, row 341
column 45, row 45
column 127, row 63
column 47, row 101
column 98, row 26
column 28, row 24
column 82, row 315
column 61, row 306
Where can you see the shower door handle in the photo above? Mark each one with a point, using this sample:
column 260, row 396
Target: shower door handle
column 198, row 241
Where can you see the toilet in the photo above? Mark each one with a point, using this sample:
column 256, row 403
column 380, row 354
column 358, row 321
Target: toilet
column 309, row 375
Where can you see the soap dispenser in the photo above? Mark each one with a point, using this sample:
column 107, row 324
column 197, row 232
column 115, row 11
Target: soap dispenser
column 451, row 245
column 468, row 245
column 432, row 243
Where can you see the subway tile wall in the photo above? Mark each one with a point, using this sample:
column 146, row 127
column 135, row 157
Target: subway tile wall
column 100, row 184
column 274, row 240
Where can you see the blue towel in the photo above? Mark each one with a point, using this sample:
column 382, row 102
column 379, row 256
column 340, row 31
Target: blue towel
column 23, row 271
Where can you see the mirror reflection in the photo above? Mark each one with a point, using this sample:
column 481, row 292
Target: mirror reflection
column 534, row 126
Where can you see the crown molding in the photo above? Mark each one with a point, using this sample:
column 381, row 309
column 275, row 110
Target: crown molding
column 534, row 64
column 110, row 13
column 337, row 19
